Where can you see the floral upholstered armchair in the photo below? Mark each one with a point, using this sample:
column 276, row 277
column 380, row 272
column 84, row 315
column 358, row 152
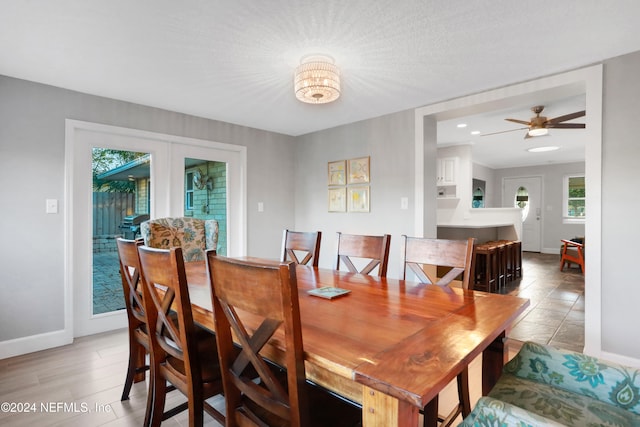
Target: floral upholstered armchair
column 192, row 234
column 545, row 386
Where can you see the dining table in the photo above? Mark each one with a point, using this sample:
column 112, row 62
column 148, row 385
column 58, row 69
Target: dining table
column 390, row 345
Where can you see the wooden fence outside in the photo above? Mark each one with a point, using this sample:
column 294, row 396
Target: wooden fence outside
column 109, row 209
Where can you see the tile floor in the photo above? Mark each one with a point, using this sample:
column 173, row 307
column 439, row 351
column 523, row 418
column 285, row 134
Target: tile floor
column 556, row 313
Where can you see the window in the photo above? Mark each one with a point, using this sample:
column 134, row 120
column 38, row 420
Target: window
column 188, row 192
column 521, row 201
column 574, row 199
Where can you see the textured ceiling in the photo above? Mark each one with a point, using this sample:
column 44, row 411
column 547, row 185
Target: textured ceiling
column 233, row 60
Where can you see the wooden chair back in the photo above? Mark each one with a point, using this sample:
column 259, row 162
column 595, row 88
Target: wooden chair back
column 374, row 248
column 181, row 353
column 301, row 247
column 132, row 288
column 266, row 290
column 131, row 284
column 456, row 255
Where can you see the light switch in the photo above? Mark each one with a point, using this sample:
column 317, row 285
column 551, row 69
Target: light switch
column 404, row 203
column 260, row 207
column 52, row 206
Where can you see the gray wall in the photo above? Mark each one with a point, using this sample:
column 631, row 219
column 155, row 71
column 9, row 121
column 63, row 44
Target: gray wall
column 552, row 182
column 389, row 141
column 32, row 137
column 620, row 181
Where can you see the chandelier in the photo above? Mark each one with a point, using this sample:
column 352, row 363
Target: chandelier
column 317, row 80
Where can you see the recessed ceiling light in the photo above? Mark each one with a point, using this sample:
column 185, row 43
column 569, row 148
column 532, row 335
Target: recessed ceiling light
column 542, row 149
column 475, row 132
column 461, row 125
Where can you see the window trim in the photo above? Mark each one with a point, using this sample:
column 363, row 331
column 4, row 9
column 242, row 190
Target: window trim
column 566, row 219
column 188, row 192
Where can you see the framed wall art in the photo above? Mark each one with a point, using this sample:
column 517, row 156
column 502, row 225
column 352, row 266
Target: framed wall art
column 337, row 172
column 358, row 199
column 358, row 170
column 338, row 199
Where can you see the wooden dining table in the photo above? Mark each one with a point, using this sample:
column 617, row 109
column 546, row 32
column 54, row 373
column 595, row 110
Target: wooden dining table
column 390, row 345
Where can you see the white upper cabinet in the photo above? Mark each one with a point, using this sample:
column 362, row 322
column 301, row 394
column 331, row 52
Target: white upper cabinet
column 447, row 171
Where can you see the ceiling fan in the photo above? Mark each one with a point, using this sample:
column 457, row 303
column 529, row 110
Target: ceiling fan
column 539, row 125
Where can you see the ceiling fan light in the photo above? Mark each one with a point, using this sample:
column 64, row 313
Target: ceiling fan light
column 538, row 131
column 543, row 149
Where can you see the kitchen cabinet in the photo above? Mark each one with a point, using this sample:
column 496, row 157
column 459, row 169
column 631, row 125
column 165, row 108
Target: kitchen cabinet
column 446, row 180
column 447, row 171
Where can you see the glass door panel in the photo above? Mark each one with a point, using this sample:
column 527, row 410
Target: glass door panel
column 120, row 202
column 205, row 194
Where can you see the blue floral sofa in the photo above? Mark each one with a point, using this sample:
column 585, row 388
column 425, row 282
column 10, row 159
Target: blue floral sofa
column 544, row 386
column 193, row 235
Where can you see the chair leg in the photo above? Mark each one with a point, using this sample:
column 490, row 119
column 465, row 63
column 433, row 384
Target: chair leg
column 158, row 397
column 463, row 392
column 196, row 410
column 149, row 409
column 136, row 369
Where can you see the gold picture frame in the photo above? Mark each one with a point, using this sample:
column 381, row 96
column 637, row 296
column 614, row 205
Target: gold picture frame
column 337, row 172
column 337, row 199
column 358, row 199
column 359, row 172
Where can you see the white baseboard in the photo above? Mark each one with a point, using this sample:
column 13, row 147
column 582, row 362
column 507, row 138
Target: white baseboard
column 620, row 359
column 24, row 345
column 552, row 251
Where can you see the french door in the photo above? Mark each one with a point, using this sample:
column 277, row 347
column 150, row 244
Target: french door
column 164, row 175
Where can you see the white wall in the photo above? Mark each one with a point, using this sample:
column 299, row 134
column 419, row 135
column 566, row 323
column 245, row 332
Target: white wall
column 389, row 141
column 552, row 184
column 32, row 136
column 620, row 182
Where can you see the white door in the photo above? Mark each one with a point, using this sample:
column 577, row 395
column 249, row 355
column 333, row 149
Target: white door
column 167, row 158
column 526, row 193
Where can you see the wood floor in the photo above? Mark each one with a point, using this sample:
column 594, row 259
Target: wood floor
column 80, row 384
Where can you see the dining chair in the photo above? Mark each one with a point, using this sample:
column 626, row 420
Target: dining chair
column 428, row 259
column 139, row 345
column 301, row 247
column 193, row 235
column 373, row 248
column 266, row 292
column 572, row 252
column 182, row 354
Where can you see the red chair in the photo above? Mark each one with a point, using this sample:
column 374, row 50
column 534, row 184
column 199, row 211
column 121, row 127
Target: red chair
column 572, row 252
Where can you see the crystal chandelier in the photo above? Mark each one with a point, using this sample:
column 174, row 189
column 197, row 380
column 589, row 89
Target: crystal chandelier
column 317, row 80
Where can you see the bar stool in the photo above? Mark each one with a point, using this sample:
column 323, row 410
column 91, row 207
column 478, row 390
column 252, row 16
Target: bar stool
column 484, row 260
column 501, row 263
column 509, row 260
column 517, row 250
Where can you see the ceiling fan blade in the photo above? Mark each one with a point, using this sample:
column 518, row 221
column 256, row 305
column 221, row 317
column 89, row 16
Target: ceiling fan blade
column 566, row 126
column 503, row 131
column 522, row 122
column 566, row 117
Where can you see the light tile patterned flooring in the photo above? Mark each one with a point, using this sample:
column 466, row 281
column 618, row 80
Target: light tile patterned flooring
column 556, row 313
